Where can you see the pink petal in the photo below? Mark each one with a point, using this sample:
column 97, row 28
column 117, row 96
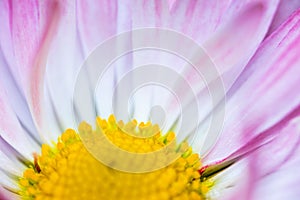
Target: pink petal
column 281, row 184
column 11, row 81
column 171, row 3
column 273, row 166
column 30, row 29
column 234, row 44
column 97, row 20
column 230, row 52
column 5, row 42
column 48, row 66
column 264, row 172
column 29, row 26
column 228, row 48
column 279, row 152
column 52, row 109
column 285, row 9
column 5, row 194
column 196, row 18
column 11, row 130
column 265, row 92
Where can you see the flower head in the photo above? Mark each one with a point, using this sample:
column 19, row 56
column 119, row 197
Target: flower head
column 218, row 78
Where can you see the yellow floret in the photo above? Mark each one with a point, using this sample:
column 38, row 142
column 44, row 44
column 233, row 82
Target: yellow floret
column 69, row 171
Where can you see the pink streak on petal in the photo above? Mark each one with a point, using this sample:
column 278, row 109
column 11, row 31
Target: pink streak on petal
column 234, row 45
column 230, row 51
column 96, row 21
column 285, row 9
column 274, row 152
column 198, row 19
column 171, row 3
column 267, row 137
column 33, row 26
column 228, row 47
column 24, row 23
column 37, row 71
column 122, row 16
column 264, row 94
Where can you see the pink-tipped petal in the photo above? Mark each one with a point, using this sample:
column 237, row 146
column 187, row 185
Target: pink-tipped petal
column 11, row 78
column 9, row 73
column 265, row 93
column 234, row 44
column 49, row 65
column 230, row 48
column 237, row 39
column 30, row 24
column 98, row 21
column 198, row 19
column 31, row 27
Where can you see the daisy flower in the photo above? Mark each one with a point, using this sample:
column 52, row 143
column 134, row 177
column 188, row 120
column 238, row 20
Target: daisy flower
column 149, row 99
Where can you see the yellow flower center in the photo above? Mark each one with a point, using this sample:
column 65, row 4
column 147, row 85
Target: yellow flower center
column 68, row 170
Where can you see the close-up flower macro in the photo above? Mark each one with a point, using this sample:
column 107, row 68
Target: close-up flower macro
column 149, row 99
